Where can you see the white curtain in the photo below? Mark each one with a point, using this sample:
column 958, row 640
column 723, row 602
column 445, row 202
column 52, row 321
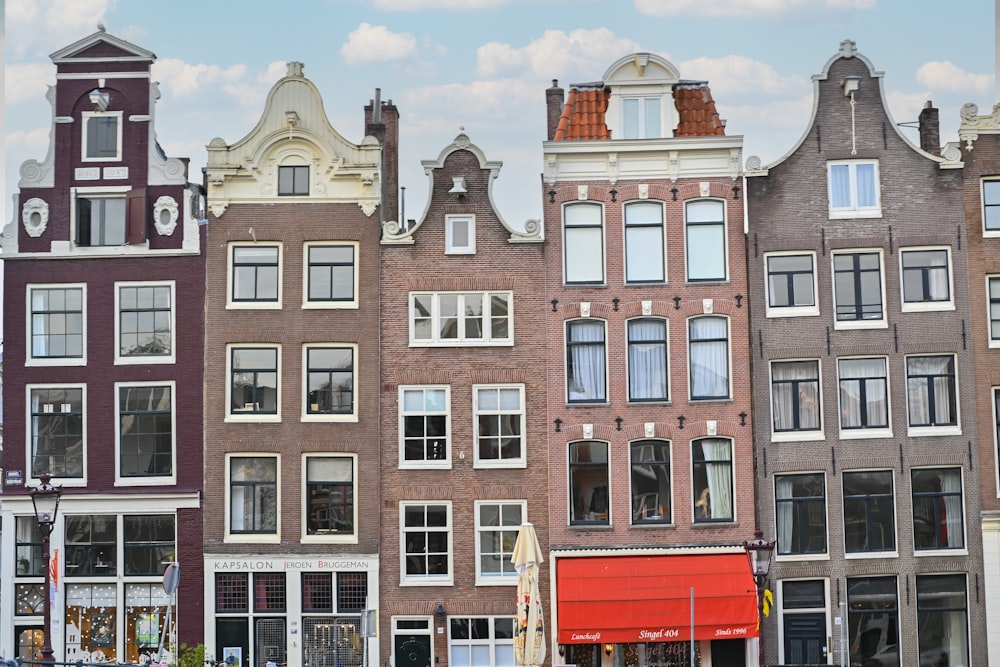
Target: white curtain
column 869, row 374
column 709, row 351
column 39, row 339
column 718, row 466
column 865, row 175
column 919, row 386
column 784, row 514
column 951, row 484
column 587, row 375
column 647, row 359
column 840, row 186
column 790, row 396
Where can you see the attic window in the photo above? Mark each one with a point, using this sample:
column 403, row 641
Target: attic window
column 102, row 136
column 641, row 118
column 293, row 181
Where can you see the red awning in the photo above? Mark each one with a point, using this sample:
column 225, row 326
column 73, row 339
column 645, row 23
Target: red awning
column 626, row 599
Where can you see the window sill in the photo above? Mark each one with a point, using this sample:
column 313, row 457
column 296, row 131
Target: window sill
column 256, row 538
column 865, row 433
column 648, row 525
column 75, row 361
column 721, row 523
column 591, row 526
column 404, row 583
column 499, row 465
column 927, row 306
column 143, row 361
column 146, row 481
column 587, row 404
column 333, row 538
column 659, row 402
column 795, row 558
column 870, row 555
column 941, row 553
column 777, row 313
column 856, row 213
column 250, row 305
column 861, row 324
column 462, row 343
column 932, row 431
column 440, row 465
column 798, row 436
column 994, row 343
column 496, row 581
column 252, row 419
column 309, row 417
column 330, row 305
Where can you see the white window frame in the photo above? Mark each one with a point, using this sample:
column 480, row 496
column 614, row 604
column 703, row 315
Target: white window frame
column 947, row 429
column 688, row 225
column 29, row 359
column 426, row 580
column 655, row 520
column 602, row 250
column 967, row 521
column 566, row 354
column 492, row 643
column 861, row 555
column 487, row 339
column 62, row 481
column 662, row 244
column 232, row 304
column 881, row 323
column 995, row 412
column 345, row 304
column 443, row 464
column 450, row 222
column 519, row 462
column 991, row 341
column 987, row 233
column 101, row 192
column 496, row 579
column 803, row 434
column 146, row 481
column 729, row 358
column 923, row 306
column 261, row 538
column 853, row 210
column 306, row 538
column 250, row 417
column 146, row 359
column 311, row 417
column 85, row 122
column 861, row 433
column 791, row 311
column 825, row 610
column 644, row 132
column 797, row 556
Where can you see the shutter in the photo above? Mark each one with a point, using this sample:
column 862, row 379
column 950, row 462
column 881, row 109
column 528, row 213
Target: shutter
column 135, row 217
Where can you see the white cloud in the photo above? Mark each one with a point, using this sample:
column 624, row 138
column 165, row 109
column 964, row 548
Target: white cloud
column 945, row 76
column 250, row 94
column 61, row 22
column 27, row 81
column 416, row 5
column 497, row 98
column 740, row 75
column 585, row 53
column 31, row 143
column 375, row 44
column 180, row 79
column 732, row 8
column 905, row 107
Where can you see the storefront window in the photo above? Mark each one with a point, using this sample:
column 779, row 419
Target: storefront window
column 91, row 620
column 145, row 613
column 873, row 621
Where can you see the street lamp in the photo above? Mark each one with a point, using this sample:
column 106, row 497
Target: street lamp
column 759, row 553
column 45, row 499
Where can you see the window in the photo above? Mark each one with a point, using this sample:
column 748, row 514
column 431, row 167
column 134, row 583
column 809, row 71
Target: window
column 330, row 507
column 424, row 420
column 588, row 483
column 583, row 241
column 647, row 360
column 150, row 544
column 991, row 206
column 930, row 391
column 332, row 275
column 461, row 318
column 91, row 545
column 28, row 540
column 708, row 343
column 705, row 227
column 253, row 381
column 256, row 275
column 926, row 279
column 795, row 396
column 145, row 325
column 100, row 221
column 330, row 381
column 481, row 641
column 644, row 243
column 57, row 427
column 460, row 234
column 869, row 512
column 712, row 465
column 269, row 591
column 854, row 189
column 803, row 617
column 231, row 592
column 253, row 495
column 426, row 542
column 497, row 524
column 57, row 322
column 993, row 288
column 102, row 136
column 651, row 489
column 873, row 621
column 937, row 509
column 800, row 514
column 857, row 288
column 864, row 394
column 586, row 373
column 641, row 118
column 146, row 432
column 499, row 425
column 791, row 285
column 293, row 180
column 943, row 619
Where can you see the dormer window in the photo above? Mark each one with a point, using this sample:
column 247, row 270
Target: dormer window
column 102, row 136
column 293, row 181
column 641, row 118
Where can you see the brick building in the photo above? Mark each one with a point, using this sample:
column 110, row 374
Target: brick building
column 862, row 374
column 291, row 384
column 463, row 417
column 980, row 144
column 649, row 429
column 103, row 326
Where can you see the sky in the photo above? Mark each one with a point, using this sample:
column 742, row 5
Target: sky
column 482, row 66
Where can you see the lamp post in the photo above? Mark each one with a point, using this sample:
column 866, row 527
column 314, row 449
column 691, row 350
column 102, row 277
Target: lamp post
column 759, row 553
column 45, row 499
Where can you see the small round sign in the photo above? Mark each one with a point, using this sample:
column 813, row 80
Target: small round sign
column 171, row 577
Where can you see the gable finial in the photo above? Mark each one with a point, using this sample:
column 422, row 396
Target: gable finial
column 848, row 49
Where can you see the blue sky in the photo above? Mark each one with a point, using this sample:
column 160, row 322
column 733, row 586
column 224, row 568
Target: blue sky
column 483, row 65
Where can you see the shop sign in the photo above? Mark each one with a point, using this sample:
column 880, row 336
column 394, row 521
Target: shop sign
column 281, row 564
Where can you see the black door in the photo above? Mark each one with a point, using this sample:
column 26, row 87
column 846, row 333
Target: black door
column 413, row 650
column 805, row 636
column 232, row 634
column 729, row 652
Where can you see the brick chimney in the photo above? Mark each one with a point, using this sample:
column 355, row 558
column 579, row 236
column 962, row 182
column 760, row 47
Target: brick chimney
column 382, row 122
column 554, row 106
column 930, row 129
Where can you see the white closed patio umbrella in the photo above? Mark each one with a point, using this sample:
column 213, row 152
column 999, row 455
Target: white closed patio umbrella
column 529, row 631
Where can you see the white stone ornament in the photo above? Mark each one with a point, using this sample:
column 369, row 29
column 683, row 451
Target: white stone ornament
column 35, row 216
column 165, row 214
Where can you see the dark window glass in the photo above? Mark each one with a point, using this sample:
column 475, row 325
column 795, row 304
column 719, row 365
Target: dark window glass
column 790, row 281
column 588, row 483
column 712, row 465
column 586, row 379
column 943, row 619
column 499, row 417
column 330, row 495
column 873, row 621
column 146, row 431
column 57, row 432
column 91, row 545
column 331, row 273
column 991, row 206
column 426, row 532
column 269, row 591
column 231, row 592
column 858, row 286
column 994, row 295
column 425, row 424
column 869, row 512
column 331, row 380
column 352, row 591
column 800, row 514
column 28, row 542
column 254, row 381
column 149, row 544
column 651, row 491
column 293, row 180
column 102, row 136
column 938, row 521
column 317, row 592
column 925, row 276
column 255, row 273
column 253, row 499
column 930, row 391
column 100, row 221
column 144, row 317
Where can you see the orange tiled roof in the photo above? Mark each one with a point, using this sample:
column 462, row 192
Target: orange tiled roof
column 583, row 117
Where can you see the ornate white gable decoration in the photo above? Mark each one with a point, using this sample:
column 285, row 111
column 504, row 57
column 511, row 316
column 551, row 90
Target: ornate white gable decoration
column 35, row 216
column 165, row 215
